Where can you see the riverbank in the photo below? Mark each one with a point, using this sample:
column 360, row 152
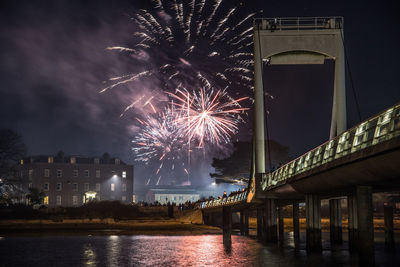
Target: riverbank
column 186, row 223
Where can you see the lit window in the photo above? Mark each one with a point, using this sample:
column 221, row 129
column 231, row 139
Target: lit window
column 123, row 187
column 75, row 187
column 22, row 162
column 73, row 160
column 46, row 173
column 97, row 173
column 59, row 187
column 30, row 174
column 123, row 198
column 98, row 187
column 112, row 187
column 96, row 161
column 75, row 173
column 59, row 173
column 86, row 186
column 58, row 200
column 46, row 187
column 117, row 161
column 30, row 185
column 75, row 200
column 124, row 174
column 50, row 160
column 86, row 173
column 46, row 200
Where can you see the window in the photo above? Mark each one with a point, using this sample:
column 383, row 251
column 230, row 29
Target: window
column 124, row 187
column 46, row 187
column 50, row 160
column 123, row 198
column 124, row 174
column 59, row 173
column 58, row 200
column 174, row 198
column 86, row 173
column 112, row 187
column 30, row 175
column 30, row 185
column 96, row 161
column 73, row 160
column 75, row 187
column 75, row 173
column 59, row 187
column 22, row 162
column 97, row 173
column 75, row 200
column 46, row 173
column 117, row 161
column 46, row 200
column 98, row 187
column 86, row 186
column 180, row 197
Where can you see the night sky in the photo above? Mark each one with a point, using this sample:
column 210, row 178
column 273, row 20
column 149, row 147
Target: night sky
column 53, row 63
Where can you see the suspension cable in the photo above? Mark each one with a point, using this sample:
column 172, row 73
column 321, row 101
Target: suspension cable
column 350, row 74
column 264, row 100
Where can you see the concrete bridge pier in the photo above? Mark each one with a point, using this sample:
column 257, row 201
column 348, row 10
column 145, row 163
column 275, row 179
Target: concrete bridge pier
column 296, row 224
column 244, row 222
column 269, row 225
column 365, row 226
column 281, row 228
column 259, row 223
column 335, row 219
column 352, row 222
column 227, row 226
column 313, row 223
column 388, row 219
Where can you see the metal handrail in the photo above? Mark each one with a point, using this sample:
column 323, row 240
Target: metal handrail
column 299, row 23
column 379, row 128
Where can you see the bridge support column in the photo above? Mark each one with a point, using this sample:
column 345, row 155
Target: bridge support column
column 270, row 226
column 352, row 222
column 281, row 224
column 388, row 218
column 227, row 225
column 259, row 223
column 296, row 224
column 335, row 219
column 241, row 222
column 313, row 223
column 365, row 218
column 246, row 222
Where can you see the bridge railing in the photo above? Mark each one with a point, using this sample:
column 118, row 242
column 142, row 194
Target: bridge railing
column 234, row 199
column 377, row 129
column 300, row 23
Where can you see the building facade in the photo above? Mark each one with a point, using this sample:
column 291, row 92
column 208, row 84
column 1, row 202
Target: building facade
column 172, row 195
column 75, row 180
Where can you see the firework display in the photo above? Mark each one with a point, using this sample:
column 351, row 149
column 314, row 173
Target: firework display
column 199, row 52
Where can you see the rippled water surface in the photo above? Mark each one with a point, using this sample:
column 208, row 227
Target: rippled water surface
column 206, row 250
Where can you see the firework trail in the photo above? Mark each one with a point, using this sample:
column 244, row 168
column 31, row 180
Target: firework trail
column 191, row 43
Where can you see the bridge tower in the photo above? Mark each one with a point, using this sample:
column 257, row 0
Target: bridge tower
column 298, row 41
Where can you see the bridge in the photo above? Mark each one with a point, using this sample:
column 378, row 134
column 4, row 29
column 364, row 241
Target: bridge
column 353, row 164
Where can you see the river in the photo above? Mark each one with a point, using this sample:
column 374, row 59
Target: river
column 142, row 250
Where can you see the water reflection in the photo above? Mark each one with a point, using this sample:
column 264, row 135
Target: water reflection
column 205, row 250
column 89, row 255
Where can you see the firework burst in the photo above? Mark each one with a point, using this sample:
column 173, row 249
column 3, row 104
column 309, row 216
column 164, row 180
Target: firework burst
column 208, row 115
